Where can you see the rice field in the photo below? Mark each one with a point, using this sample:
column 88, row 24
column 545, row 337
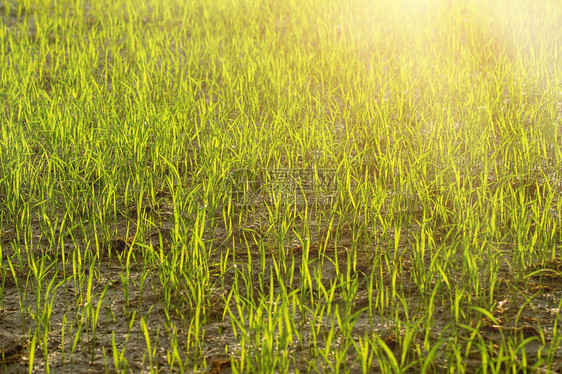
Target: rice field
column 259, row 186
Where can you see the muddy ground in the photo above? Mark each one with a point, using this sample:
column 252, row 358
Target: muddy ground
column 524, row 306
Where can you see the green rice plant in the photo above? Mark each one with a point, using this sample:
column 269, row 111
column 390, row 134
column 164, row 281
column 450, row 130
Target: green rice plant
column 32, row 348
column 94, row 317
column 123, row 123
column 119, row 361
column 147, row 339
column 174, row 356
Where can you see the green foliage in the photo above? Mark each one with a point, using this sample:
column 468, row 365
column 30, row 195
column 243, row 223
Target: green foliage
column 142, row 150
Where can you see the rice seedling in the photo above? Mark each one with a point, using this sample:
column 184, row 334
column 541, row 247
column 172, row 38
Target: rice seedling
column 262, row 186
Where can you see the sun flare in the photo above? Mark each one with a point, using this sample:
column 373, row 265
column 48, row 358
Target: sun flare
column 262, row 186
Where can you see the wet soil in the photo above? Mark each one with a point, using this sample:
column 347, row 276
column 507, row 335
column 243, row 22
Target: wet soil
column 525, row 306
